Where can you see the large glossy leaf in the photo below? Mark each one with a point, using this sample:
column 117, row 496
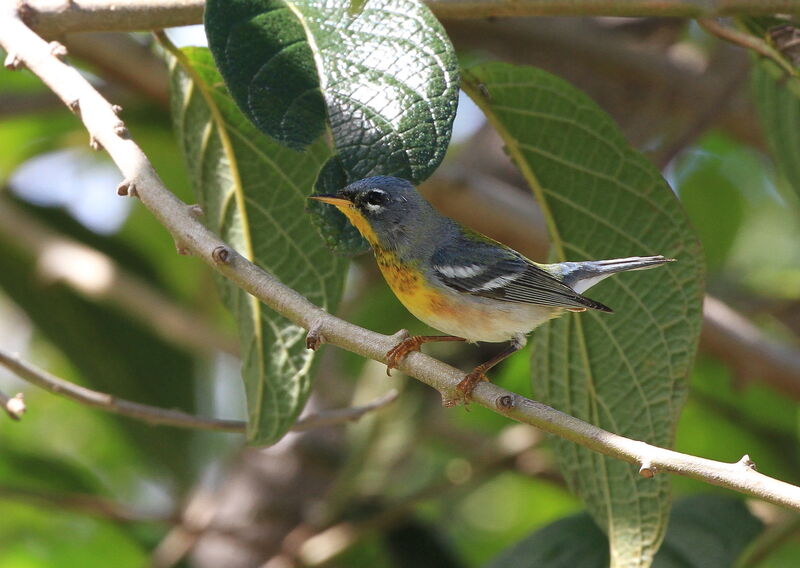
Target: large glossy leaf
column 381, row 77
column 253, row 192
column 624, row 372
column 705, row 531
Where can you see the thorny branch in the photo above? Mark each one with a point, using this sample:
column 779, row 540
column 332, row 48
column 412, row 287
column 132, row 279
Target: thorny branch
column 26, row 48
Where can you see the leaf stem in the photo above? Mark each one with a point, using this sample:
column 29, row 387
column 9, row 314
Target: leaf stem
column 747, row 41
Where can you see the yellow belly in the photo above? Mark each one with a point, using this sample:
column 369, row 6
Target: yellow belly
column 470, row 317
column 409, row 287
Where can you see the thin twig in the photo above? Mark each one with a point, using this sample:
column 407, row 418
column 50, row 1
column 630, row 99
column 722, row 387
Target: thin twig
column 83, row 503
column 168, row 417
column 340, row 415
column 56, row 17
column 109, row 403
column 104, row 127
column 748, row 41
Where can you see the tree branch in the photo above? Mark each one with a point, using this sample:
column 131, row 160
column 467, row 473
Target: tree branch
column 168, row 417
column 55, row 17
column 105, row 128
column 751, row 354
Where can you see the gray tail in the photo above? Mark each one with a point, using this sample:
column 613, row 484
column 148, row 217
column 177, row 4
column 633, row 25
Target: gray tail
column 581, row 276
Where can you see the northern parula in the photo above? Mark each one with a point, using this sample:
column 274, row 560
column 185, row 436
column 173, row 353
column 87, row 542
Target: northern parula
column 459, row 281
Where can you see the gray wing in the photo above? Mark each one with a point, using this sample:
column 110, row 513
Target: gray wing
column 485, row 269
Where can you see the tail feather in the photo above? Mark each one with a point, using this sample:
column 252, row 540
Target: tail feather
column 580, row 276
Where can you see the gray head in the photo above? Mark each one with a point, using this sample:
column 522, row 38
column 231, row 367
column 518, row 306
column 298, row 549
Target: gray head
column 390, row 206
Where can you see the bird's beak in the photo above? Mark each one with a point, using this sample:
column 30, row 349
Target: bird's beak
column 331, row 199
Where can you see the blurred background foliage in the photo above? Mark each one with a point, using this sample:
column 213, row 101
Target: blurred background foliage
column 411, row 485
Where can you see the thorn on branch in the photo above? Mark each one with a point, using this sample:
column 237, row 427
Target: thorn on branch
column 314, row 338
column 13, row 63
column 94, row 144
column 58, row 50
column 116, row 108
column 648, row 470
column 127, row 187
column 15, row 406
column 747, row 462
column 221, row 255
column 196, row 211
column 121, row 130
column 75, row 106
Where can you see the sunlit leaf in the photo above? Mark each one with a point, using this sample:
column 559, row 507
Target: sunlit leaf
column 253, row 194
column 624, row 372
column 380, row 76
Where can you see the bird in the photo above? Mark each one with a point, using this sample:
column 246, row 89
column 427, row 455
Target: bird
column 460, row 282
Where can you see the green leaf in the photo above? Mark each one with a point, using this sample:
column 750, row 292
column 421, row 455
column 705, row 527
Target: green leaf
column 624, row 372
column 705, row 531
column 571, row 542
column 384, row 77
column 712, row 198
column 380, row 76
column 777, row 99
column 253, row 193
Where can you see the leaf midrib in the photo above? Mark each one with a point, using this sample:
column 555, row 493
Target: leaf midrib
column 238, row 191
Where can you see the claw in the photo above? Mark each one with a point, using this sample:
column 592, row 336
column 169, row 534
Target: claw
column 399, row 351
column 468, row 383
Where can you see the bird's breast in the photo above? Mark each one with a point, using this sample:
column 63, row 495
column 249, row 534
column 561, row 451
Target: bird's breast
column 454, row 313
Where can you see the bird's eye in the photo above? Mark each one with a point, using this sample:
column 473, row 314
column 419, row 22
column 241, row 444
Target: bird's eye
column 376, row 197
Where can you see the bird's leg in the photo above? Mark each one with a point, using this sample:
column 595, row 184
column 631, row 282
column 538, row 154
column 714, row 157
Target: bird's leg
column 477, row 375
column 413, row 343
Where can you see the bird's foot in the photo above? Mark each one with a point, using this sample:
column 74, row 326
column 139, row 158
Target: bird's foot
column 399, row 351
column 468, row 383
